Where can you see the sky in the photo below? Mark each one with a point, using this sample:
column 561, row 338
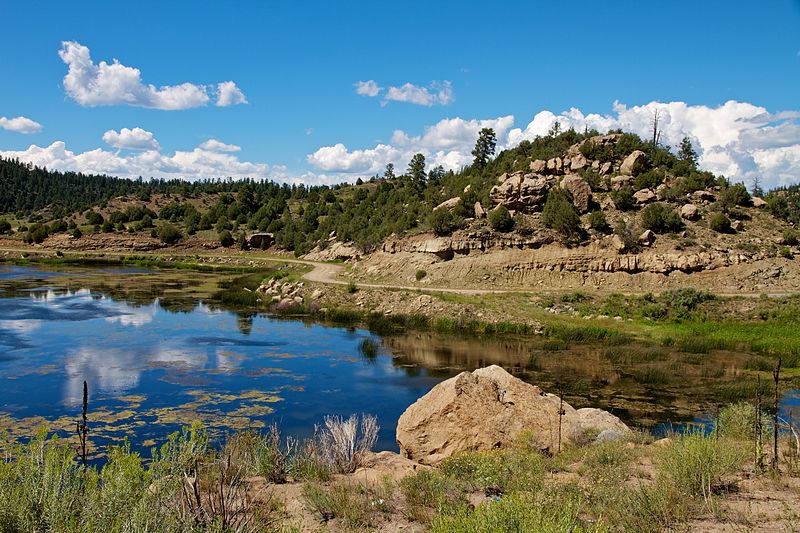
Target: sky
column 324, row 92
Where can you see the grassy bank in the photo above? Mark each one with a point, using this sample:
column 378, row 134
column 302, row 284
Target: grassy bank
column 261, row 482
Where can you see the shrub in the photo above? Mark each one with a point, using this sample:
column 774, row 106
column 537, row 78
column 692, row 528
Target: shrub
column 559, row 212
column 720, row 223
column 442, row 222
column 694, row 464
column 37, row 233
column 733, row 196
column 626, row 233
column 598, row 222
column 785, row 252
column 350, row 503
column 94, row 218
column 660, row 218
column 790, row 237
column 77, row 233
column 649, row 180
column 107, row 227
column 500, row 219
column 343, row 443
column 623, row 198
column 352, row 288
column 5, row 226
column 420, row 274
column 169, row 234
column 225, row 238
column 429, row 491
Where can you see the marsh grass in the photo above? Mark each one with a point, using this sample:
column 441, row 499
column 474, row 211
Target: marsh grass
column 344, row 500
column 585, row 334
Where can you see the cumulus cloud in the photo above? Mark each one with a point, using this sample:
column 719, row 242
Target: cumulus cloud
column 447, row 143
column 219, row 146
column 127, row 139
column 438, row 93
column 368, row 88
column 211, row 160
column 104, row 83
column 737, row 139
column 229, row 94
column 20, row 125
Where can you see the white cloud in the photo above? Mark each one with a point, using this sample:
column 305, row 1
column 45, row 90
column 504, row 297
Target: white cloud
column 368, row 88
column 20, row 125
column 448, row 143
column 737, row 139
column 438, row 93
column 127, row 139
column 229, row 94
column 219, row 146
column 99, row 84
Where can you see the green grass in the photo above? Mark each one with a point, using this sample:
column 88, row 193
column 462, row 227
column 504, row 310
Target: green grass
column 585, row 334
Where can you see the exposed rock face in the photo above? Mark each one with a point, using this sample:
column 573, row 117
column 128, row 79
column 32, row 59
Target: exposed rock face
column 538, row 166
column 704, row 197
column 449, row 204
column 487, row 409
column 647, row 238
column 618, row 182
column 689, row 211
column 555, row 165
column 480, row 212
column 580, row 190
column 521, row 192
column 578, row 162
column 606, row 168
column 634, row 164
column 334, row 251
column 644, row 196
column 261, row 240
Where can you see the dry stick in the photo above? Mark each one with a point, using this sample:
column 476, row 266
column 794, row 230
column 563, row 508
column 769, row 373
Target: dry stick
column 82, row 426
column 758, row 451
column 776, row 373
column 560, row 414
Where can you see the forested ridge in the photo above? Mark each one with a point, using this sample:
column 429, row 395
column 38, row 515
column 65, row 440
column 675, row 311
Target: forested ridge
column 365, row 213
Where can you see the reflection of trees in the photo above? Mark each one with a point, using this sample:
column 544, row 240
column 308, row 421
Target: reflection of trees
column 244, row 321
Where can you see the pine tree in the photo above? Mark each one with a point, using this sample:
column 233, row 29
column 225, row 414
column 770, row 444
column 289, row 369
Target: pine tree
column 484, row 147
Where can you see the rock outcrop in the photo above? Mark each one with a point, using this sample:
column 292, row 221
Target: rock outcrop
column 487, row 409
column 580, row 191
column 521, row 192
column 634, row 164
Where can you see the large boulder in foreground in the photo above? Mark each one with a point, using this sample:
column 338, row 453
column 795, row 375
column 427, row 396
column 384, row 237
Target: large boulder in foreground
column 487, row 409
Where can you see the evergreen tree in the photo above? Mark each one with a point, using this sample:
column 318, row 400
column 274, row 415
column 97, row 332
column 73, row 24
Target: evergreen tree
column 416, row 168
column 686, row 151
column 484, row 147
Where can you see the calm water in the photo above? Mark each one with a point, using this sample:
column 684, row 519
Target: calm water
column 152, row 366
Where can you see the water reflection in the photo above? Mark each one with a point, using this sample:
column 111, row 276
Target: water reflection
column 156, row 356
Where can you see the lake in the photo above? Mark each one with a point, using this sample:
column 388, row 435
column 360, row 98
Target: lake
column 157, row 354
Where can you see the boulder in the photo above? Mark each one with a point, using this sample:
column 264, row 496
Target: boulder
column 555, row 165
column 703, row 196
column 606, row 168
column 618, row 244
column 618, row 182
column 634, row 164
column 522, row 192
column 737, row 225
column 644, row 196
column 538, row 166
column 580, row 190
column 593, row 419
column 758, row 202
column 449, row 204
column 647, row 238
column 689, row 212
column 487, row 409
column 261, row 240
column 480, row 212
column 578, row 162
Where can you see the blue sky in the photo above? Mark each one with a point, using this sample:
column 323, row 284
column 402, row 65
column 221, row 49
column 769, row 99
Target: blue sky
column 725, row 73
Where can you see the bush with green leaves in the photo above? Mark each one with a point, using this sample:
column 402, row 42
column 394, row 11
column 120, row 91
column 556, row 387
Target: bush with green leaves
column 500, row 219
column 661, row 218
column 419, row 274
column 598, row 222
column 720, row 223
column 791, row 238
column 442, row 222
column 225, row 238
column 5, row 226
column 623, row 198
column 559, row 212
column 169, row 234
column 37, row 233
column 734, row 196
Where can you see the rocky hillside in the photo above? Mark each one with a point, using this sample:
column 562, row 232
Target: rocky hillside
column 592, row 218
